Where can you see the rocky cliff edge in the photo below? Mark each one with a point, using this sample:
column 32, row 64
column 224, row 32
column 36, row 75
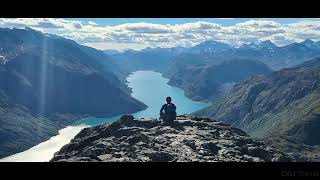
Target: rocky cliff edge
column 188, row 139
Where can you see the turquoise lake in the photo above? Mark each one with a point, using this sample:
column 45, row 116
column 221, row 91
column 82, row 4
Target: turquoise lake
column 151, row 88
column 147, row 86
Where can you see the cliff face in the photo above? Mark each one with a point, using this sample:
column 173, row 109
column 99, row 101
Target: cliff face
column 188, row 139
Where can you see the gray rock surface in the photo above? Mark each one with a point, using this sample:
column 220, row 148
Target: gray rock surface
column 188, row 139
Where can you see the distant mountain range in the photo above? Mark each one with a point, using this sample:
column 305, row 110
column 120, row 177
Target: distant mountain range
column 209, row 47
column 45, row 76
column 282, row 108
column 215, row 52
column 188, row 68
column 275, row 57
column 111, row 52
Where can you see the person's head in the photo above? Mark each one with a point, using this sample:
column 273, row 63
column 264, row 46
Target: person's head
column 168, row 99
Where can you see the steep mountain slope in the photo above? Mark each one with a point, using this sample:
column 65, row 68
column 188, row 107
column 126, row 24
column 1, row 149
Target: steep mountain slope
column 188, row 139
column 49, row 74
column 53, row 78
column 209, row 81
column 283, row 108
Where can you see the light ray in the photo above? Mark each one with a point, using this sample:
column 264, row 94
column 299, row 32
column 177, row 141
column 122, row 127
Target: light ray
column 43, row 77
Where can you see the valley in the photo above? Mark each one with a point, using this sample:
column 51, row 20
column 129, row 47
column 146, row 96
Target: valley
column 49, row 83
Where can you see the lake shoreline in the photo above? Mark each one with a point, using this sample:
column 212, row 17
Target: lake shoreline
column 145, row 86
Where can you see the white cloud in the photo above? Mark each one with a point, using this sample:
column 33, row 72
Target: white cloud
column 137, row 35
column 116, row 46
column 259, row 23
column 92, row 23
column 144, row 28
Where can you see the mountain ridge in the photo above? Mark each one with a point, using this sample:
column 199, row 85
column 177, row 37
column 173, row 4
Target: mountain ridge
column 276, row 57
column 206, row 82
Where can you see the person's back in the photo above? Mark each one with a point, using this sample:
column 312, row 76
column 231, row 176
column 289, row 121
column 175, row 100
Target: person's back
column 169, row 114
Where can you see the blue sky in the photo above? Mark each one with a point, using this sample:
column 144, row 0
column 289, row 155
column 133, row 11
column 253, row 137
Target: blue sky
column 139, row 33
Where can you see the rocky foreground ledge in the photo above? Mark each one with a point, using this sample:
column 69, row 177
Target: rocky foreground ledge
column 188, row 139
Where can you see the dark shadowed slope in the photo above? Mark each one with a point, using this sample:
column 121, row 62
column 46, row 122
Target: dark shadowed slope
column 20, row 129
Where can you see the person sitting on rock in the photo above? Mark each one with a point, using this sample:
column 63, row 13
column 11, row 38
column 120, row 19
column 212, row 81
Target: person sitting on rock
column 168, row 111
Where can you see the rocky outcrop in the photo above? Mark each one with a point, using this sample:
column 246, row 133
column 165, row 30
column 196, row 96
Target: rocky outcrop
column 188, row 139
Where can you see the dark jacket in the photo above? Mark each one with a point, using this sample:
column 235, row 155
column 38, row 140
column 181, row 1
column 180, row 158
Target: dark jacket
column 169, row 111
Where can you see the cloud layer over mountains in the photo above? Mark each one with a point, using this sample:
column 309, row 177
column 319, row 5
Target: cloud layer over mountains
column 141, row 35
